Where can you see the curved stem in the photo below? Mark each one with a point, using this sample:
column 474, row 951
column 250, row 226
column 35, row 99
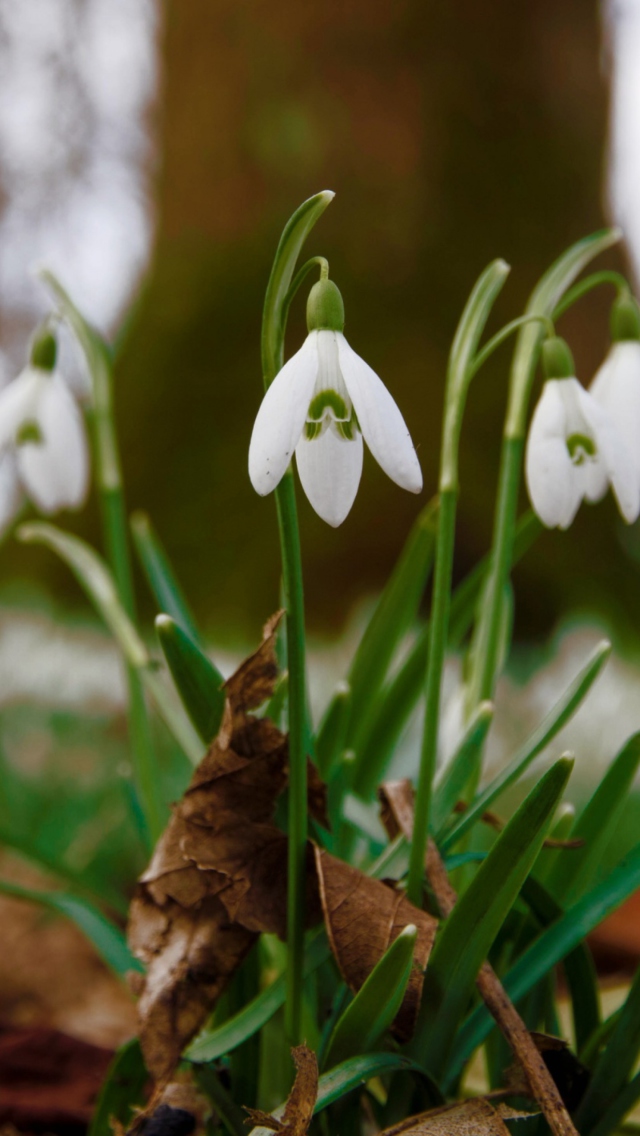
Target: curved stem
column 587, row 285
column 504, row 333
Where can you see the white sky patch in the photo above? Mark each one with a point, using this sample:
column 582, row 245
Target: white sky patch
column 622, row 27
column 78, row 80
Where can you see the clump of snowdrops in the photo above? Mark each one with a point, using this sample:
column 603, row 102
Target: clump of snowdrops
column 274, row 916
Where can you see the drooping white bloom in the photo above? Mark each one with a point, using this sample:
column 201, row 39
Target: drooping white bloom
column 43, row 445
column 573, row 452
column 321, row 405
column 616, row 388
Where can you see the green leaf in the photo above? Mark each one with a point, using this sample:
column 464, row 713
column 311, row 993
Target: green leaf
column 550, row 948
column 450, row 784
column 160, row 575
column 122, row 1091
column 615, row 1065
column 350, row 1075
column 214, row 1043
column 611, row 1120
column 596, row 825
column 198, row 682
column 465, row 937
column 293, row 237
column 108, row 939
column 398, row 699
column 96, row 579
column 392, row 619
column 579, row 967
column 542, row 301
column 547, row 730
column 377, row 1002
column 331, row 737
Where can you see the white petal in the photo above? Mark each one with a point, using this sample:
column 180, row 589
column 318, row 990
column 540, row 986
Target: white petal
column 330, row 467
column 55, row 471
column 281, row 417
column 616, row 388
column 616, row 457
column 554, row 488
column 11, row 495
column 18, row 403
column 381, row 422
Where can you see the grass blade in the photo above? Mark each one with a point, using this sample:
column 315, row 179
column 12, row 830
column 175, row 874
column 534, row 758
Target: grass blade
column 550, row 948
column 596, row 825
column 211, row 1044
column 449, row 786
column 331, row 737
column 615, row 1065
column 96, row 579
column 108, row 939
column 198, row 682
column 392, row 618
column 123, row 1089
column 546, row 731
column 463, row 942
column 160, row 575
column 377, row 1002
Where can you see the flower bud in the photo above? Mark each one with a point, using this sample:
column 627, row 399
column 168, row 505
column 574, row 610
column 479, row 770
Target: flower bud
column 44, row 349
column 325, row 309
column 625, row 318
column 557, row 360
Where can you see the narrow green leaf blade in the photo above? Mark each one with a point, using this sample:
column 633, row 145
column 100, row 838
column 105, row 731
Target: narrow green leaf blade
column 398, row 699
column 108, row 939
column 198, row 682
column 615, row 1065
column 93, row 575
column 349, row 1075
column 550, row 948
column 449, row 786
column 122, row 1090
column 391, row 620
column 332, row 734
column 160, row 575
column 463, row 942
column 293, row 237
column 214, row 1043
column 596, row 824
column 377, row 1002
column 546, row 731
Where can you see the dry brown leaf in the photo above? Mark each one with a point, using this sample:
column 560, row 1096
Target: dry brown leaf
column 475, row 1117
column 218, row 874
column 298, row 1111
column 363, row 917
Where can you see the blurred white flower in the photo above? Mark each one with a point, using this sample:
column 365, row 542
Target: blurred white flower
column 321, row 404
column 575, row 452
column 616, row 388
column 43, row 445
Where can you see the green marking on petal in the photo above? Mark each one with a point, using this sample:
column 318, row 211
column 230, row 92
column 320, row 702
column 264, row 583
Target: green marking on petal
column 327, row 400
column 29, row 432
column 350, row 429
column 580, row 447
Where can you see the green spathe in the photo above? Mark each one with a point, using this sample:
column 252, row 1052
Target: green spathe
column 557, row 360
column 325, row 309
column 625, row 318
column 44, row 349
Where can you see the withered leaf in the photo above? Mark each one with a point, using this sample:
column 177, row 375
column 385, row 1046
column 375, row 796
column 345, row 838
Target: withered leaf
column 298, row 1111
column 363, row 917
column 218, row 874
column 474, row 1117
column 569, row 1074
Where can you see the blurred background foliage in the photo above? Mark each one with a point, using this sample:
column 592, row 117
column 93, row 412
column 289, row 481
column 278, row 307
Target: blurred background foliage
column 451, row 133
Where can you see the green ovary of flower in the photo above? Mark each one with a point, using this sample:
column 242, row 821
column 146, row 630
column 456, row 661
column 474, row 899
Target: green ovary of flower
column 29, row 432
column 328, row 408
column 580, row 448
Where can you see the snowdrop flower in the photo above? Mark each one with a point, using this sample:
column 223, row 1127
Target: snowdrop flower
column 321, row 404
column 616, row 386
column 573, row 448
column 43, row 446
